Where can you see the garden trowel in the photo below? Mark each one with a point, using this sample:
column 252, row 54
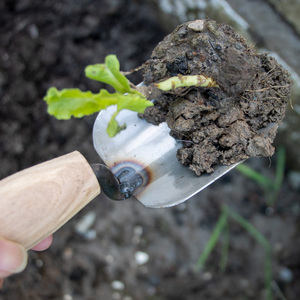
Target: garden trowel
column 144, row 157
column 139, row 162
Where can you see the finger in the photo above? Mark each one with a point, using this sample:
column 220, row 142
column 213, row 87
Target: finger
column 43, row 245
column 1, row 283
column 13, row 258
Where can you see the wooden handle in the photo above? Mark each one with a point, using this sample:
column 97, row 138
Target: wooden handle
column 37, row 201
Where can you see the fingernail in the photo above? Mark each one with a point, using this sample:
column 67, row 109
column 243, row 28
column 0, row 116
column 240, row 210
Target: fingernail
column 13, row 257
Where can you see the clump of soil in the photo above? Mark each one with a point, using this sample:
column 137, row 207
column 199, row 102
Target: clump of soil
column 223, row 125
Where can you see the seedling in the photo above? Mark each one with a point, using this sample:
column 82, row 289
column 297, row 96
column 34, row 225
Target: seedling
column 73, row 102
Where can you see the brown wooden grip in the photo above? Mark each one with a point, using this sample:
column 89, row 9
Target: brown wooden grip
column 37, row 201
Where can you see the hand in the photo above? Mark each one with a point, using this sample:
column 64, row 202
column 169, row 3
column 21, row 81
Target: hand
column 13, row 257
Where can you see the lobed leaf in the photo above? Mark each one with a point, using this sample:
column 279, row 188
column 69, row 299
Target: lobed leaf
column 109, row 73
column 73, row 102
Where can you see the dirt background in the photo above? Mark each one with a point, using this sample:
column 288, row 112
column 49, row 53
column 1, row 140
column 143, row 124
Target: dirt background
column 49, row 43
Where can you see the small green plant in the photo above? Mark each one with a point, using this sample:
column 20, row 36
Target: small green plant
column 73, row 102
column 270, row 187
column 222, row 227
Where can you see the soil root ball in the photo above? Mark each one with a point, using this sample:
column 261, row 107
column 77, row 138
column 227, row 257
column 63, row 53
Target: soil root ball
column 227, row 123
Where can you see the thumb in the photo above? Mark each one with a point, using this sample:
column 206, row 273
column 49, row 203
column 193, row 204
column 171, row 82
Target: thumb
column 13, row 258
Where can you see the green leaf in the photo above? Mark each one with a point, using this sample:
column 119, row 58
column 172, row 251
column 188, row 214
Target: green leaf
column 134, row 102
column 113, row 127
column 73, row 102
column 221, row 224
column 67, row 102
column 109, row 73
column 131, row 102
column 259, row 178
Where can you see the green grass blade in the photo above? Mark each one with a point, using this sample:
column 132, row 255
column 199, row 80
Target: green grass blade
column 249, row 228
column 213, row 240
column 260, row 179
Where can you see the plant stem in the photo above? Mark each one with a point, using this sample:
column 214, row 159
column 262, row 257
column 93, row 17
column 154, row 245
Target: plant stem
column 186, row 81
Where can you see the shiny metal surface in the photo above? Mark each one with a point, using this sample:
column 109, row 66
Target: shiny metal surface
column 151, row 151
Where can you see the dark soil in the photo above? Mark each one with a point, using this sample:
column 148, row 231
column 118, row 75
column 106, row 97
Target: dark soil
column 48, row 43
column 222, row 125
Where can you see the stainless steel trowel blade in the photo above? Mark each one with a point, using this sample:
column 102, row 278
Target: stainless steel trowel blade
column 151, row 152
